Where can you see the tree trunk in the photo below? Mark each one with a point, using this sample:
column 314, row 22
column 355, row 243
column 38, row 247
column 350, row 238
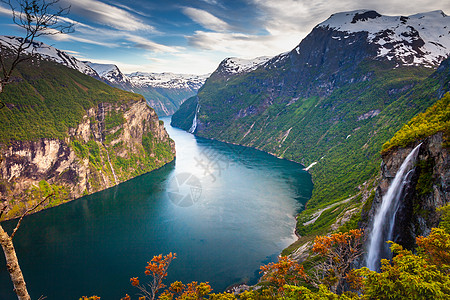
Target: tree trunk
column 12, row 264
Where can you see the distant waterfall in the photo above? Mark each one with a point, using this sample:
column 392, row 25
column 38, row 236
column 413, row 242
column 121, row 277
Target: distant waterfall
column 383, row 223
column 194, row 122
column 112, row 169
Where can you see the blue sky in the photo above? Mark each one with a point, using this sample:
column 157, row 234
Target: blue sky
column 194, row 36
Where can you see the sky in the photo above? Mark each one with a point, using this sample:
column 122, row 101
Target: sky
column 194, row 36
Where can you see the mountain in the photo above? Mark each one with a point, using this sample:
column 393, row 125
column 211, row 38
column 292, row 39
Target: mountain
column 333, row 100
column 66, row 132
column 50, row 53
column 163, row 91
column 110, row 74
column 234, row 65
column 420, row 39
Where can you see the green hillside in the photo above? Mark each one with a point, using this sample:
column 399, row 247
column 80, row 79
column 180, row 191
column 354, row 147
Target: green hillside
column 45, row 102
column 435, row 119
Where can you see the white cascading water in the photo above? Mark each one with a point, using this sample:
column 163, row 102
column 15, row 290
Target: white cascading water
column 383, row 223
column 194, row 122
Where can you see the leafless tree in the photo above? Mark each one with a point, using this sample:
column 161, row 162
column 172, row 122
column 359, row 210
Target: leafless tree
column 37, row 18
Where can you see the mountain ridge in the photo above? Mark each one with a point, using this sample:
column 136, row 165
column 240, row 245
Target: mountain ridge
column 163, row 91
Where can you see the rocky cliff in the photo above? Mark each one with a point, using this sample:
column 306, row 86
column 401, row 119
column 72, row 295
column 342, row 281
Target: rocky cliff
column 428, row 189
column 68, row 134
column 96, row 155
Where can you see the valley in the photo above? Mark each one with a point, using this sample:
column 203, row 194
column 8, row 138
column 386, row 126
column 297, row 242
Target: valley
column 279, row 176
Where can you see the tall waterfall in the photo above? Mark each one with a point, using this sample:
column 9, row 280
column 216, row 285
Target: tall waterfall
column 194, row 122
column 383, row 223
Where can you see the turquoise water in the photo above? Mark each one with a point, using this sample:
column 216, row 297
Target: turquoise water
column 224, row 210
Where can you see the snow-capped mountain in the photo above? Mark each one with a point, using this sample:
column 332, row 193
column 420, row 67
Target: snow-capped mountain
column 234, row 65
column 163, row 91
column 168, row 80
column 420, row 39
column 109, row 72
column 50, row 53
column 112, row 75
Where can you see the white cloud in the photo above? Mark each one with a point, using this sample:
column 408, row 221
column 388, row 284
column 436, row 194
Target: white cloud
column 5, row 11
column 188, row 62
column 102, row 13
column 212, row 2
column 144, row 43
column 242, row 45
column 179, row 63
column 88, row 34
column 206, row 19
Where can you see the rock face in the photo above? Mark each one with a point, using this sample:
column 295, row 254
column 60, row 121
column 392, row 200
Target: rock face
column 428, row 190
column 113, row 143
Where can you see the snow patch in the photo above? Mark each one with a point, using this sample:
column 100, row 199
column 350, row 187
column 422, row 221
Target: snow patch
column 49, row 53
column 234, row 65
column 167, row 80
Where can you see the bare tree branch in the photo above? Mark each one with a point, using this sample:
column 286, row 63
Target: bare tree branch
column 27, row 212
column 37, row 18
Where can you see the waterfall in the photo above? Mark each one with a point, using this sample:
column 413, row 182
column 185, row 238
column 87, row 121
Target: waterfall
column 194, row 122
column 112, row 169
column 383, row 223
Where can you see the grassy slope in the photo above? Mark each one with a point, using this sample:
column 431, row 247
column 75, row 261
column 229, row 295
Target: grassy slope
column 183, row 117
column 358, row 161
column 44, row 102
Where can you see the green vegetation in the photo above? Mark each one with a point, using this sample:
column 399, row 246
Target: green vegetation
column 59, row 194
column 183, row 117
column 435, row 119
column 114, row 119
column 425, row 182
column 46, row 99
column 45, row 102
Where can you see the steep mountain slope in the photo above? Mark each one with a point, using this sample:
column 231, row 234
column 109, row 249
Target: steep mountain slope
column 110, row 74
column 334, row 99
column 67, row 132
column 50, row 53
column 163, row 91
